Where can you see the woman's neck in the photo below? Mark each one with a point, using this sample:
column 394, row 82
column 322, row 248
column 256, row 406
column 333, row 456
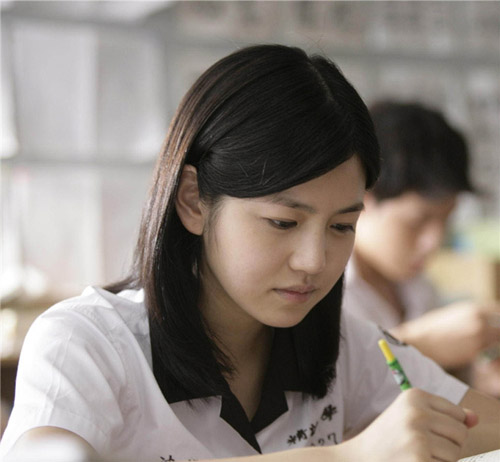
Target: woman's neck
column 246, row 342
column 249, row 348
column 235, row 332
column 242, row 342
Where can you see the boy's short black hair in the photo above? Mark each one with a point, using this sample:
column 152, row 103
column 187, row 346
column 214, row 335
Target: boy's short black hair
column 420, row 152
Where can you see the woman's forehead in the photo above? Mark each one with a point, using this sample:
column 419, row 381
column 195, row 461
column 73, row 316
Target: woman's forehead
column 340, row 190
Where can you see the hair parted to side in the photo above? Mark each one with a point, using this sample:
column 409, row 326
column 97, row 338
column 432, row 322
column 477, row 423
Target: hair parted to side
column 421, row 152
column 259, row 121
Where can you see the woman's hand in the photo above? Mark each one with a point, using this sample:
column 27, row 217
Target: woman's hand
column 416, row 427
column 453, row 335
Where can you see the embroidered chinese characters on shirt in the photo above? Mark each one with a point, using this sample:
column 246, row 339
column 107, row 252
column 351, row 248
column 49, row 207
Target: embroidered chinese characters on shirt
column 317, row 433
column 171, row 459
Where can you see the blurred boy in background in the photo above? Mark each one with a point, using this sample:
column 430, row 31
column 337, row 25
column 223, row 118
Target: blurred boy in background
column 424, row 169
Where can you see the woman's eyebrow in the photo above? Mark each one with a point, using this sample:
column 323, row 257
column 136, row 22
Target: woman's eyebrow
column 292, row 203
column 289, row 202
column 357, row 207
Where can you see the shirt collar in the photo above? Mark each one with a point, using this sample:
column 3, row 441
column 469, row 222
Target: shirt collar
column 282, row 375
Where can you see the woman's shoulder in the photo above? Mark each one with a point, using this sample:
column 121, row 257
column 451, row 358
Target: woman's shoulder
column 95, row 317
column 108, row 309
column 95, row 341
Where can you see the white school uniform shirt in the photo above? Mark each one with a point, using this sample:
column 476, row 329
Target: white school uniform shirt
column 86, row 367
column 363, row 301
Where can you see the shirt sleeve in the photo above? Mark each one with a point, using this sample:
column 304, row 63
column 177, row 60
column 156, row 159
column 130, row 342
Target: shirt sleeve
column 70, row 375
column 367, row 382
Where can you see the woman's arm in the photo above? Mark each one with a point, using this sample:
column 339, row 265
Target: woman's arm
column 416, row 427
column 52, row 443
column 57, row 444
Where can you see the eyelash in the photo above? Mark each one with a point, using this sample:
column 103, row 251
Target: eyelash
column 284, row 225
column 344, row 228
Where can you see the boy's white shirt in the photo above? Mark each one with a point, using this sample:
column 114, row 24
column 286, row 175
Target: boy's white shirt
column 363, row 301
column 86, row 367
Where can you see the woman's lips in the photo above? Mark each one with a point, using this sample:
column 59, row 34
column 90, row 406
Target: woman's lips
column 296, row 294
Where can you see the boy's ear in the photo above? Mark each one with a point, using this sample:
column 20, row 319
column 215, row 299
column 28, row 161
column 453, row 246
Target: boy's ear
column 187, row 203
column 370, row 201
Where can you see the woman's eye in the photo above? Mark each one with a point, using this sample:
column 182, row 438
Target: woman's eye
column 280, row 224
column 344, row 228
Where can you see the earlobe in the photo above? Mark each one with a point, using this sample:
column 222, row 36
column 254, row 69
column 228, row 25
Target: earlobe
column 369, row 200
column 187, row 202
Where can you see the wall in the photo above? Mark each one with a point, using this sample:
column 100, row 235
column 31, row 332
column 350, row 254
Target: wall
column 89, row 89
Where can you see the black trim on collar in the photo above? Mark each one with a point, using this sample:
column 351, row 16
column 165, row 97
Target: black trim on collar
column 233, row 413
column 282, row 375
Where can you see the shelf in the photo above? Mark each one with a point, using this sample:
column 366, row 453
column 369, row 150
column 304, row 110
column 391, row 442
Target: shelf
column 69, row 162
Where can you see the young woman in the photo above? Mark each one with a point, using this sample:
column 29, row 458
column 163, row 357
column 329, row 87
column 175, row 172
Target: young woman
column 227, row 339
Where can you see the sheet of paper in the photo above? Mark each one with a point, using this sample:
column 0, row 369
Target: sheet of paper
column 493, row 456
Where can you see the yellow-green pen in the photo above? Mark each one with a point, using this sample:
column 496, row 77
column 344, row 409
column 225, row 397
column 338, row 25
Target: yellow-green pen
column 397, row 371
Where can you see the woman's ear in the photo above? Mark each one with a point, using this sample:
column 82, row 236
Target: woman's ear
column 187, row 203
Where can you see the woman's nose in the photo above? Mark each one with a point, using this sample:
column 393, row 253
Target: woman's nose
column 309, row 254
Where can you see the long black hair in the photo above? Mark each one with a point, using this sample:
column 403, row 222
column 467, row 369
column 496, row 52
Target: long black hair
column 259, row 121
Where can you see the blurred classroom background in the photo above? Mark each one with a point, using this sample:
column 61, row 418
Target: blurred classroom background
column 89, row 87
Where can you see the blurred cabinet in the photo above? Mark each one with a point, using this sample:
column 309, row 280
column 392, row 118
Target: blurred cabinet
column 465, row 275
